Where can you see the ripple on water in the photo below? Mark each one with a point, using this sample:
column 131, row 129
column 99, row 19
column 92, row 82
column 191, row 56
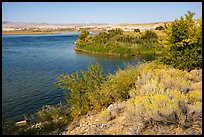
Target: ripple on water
column 31, row 64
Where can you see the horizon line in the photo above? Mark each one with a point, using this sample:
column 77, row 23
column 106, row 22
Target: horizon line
column 79, row 23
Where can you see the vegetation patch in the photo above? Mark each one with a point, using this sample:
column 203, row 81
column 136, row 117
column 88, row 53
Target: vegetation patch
column 116, row 42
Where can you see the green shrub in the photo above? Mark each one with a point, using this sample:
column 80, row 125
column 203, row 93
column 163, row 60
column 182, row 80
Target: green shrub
column 82, row 90
column 114, row 32
column 44, row 121
column 50, row 113
column 149, row 34
column 185, row 43
column 8, row 126
column 159, row 28
column 117, row 86
column 136, row 30
column 93, row 90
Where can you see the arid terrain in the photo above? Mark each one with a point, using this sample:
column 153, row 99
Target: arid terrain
column 27, row 28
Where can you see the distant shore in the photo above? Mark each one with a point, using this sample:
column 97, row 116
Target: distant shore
column 26, row 28
column 32, row 32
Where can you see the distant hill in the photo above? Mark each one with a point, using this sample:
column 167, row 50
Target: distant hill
column 8, row 24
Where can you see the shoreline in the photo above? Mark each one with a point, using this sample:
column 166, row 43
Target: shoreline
column 104, row 54
column 31, row 32
column 41, row 32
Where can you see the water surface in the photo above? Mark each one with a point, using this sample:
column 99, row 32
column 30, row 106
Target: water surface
column 31, row 64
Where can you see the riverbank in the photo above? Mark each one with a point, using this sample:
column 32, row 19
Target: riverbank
column 104, row 54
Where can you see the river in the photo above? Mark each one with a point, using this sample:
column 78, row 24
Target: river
column 31, row 64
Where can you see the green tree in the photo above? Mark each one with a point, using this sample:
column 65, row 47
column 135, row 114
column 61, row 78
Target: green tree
column 185, row 39
column 83, row 35
column 159, row 28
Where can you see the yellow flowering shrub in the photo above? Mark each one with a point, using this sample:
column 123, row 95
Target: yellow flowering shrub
column 161, row 93
column 194, row 96
column 147, row 77
column 104, row 116
column 157, row 77
column 156, row 106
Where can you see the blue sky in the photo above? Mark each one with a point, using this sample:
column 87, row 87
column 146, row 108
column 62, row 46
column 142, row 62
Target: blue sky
column 97, row 12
